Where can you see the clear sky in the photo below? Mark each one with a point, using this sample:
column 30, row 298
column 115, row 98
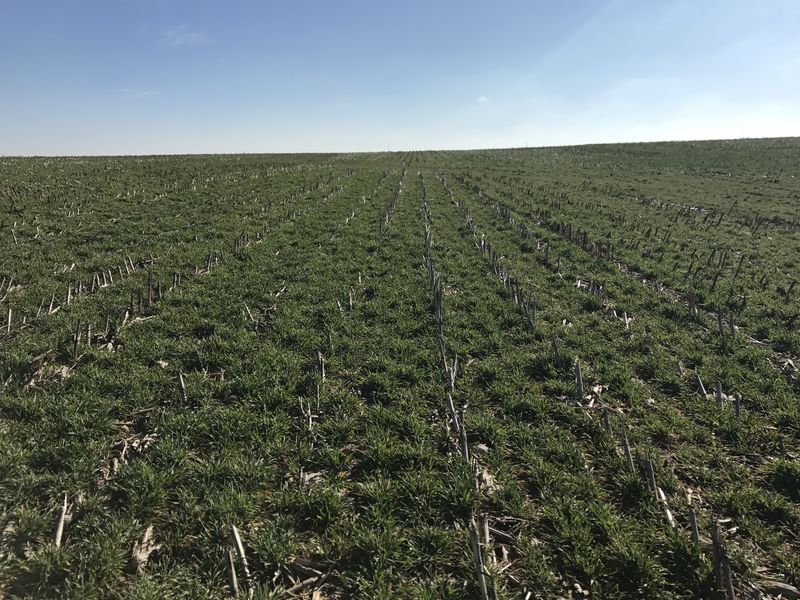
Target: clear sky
column 174, row 76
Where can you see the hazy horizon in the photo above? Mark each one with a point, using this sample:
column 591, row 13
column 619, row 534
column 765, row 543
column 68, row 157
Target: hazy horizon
column 156, row 78
column 402, row 150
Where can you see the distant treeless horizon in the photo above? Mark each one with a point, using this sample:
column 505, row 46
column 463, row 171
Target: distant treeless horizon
column 405, row 150
column 179, row 77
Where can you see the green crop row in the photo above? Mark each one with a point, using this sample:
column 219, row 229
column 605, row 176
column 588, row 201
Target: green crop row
column 278, row 395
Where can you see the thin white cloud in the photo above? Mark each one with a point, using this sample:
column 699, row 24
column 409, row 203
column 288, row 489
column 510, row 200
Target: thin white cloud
column 183, row 35
column 482, row 99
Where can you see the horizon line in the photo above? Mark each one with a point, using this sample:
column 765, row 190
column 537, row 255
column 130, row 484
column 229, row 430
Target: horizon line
column 401, row 151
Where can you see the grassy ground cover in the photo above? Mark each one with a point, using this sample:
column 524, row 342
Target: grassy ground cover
column 402, row 375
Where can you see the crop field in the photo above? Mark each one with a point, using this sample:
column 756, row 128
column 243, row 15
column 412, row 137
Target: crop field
column 533, row 373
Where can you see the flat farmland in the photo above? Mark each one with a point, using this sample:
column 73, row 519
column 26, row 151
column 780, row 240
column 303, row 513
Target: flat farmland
column 527, row 373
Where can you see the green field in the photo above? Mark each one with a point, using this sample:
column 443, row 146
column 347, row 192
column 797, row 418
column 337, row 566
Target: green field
column 533, row 373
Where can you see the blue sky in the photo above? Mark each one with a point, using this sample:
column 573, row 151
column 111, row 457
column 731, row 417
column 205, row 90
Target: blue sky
column 169, row 76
